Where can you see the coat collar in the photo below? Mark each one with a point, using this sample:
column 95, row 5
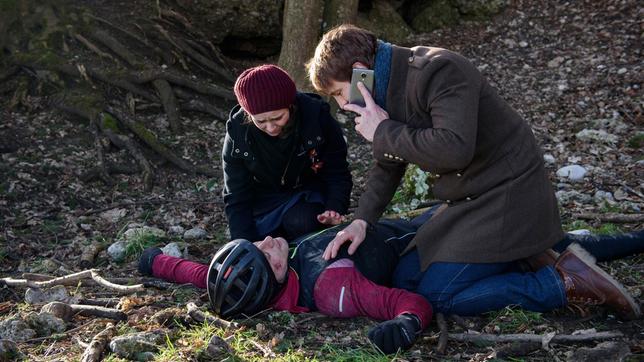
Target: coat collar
column 309, row 108
column 396, row 95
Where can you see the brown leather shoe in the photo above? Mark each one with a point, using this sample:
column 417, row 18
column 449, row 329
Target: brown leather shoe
column 587, row 284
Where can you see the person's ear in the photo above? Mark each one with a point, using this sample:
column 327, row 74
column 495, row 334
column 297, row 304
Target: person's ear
column 359, row 65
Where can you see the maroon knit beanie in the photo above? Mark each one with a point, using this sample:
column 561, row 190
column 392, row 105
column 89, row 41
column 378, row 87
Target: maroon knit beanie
column 264, row 88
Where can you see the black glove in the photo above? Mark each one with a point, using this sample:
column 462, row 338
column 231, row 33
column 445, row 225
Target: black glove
column 400, row 332
column 146, row 260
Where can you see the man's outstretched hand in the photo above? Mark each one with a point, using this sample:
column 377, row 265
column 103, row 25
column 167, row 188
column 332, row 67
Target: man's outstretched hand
column 354, row 232
column 330, row 217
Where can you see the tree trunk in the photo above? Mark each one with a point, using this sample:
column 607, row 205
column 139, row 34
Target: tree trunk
column 338, row 12
column 302, row 25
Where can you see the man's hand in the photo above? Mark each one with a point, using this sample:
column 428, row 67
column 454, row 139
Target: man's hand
column 354, row 232
column 369, row 116
column 330, row 217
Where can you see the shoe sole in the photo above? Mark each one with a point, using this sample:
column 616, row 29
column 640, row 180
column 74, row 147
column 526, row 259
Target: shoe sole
column 590, row 260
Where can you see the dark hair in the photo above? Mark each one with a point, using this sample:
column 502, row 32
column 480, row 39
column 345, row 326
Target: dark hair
column 240, row 280
column 336, row 53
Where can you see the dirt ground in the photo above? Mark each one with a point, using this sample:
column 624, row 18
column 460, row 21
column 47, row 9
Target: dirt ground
column 573, row 69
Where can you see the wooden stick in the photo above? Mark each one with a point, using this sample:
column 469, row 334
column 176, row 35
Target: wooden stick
column 75, row 277
column 442, row 340
column 612, row 217
column 536, row 338
column 195, row 313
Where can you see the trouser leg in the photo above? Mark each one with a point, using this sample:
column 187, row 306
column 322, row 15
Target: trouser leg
column 470, row 289
column 301, row 219
column 606, row 247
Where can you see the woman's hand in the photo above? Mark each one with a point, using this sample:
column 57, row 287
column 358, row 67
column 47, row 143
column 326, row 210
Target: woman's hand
column 330, row 217
column 354, row 232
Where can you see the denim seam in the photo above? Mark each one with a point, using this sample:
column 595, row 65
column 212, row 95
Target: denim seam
column 559, row 285
column 440, row 296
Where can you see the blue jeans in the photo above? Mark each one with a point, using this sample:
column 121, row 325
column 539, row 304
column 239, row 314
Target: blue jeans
column 471, row 289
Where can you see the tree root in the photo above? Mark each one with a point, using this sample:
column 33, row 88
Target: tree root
column 93, row 47
column 187, row 49
column 115, row 46
column 150, row 139
column 169, row 103
column 125, row 142
column 173, row 77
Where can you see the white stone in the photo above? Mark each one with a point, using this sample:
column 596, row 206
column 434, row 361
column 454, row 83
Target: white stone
column 176, row 230
column 195, row 233
column 572, row 172
column 594, row 135
column 116, row 251
column 172, row 249
column 580, row 232
column 135, row 233
column 603, row 196
column 548, row 158
column 113, row 215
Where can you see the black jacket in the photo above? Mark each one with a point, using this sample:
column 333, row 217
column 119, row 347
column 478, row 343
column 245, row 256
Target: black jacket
column 246, row 178
column 376, row 258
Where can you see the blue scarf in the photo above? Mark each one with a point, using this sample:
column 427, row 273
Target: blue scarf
column 382, row 68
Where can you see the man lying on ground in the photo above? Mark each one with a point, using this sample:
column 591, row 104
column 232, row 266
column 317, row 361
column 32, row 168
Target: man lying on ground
column 245, row 277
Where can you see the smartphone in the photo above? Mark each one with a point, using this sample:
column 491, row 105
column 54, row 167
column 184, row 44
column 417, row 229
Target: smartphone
column 360, row 75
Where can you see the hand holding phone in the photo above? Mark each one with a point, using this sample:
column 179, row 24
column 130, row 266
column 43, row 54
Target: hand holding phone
column 366, row 77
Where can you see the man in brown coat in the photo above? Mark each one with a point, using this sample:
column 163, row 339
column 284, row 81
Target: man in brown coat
column 432, row 108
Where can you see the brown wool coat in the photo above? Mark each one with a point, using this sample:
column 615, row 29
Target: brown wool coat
column 446, row 118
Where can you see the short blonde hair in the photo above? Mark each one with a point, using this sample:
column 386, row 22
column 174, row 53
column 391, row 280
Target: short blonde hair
column 336, row 53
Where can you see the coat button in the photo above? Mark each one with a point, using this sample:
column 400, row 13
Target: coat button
column 318, row 138
column 468, row 198
column 459, row 174
column 309, row 142
column 411, row 59
column 245, row 153
column 438, row 176
column 448, row 201
column 237, row 150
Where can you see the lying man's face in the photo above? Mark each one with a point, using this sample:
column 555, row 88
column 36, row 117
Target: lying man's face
column 276, row 252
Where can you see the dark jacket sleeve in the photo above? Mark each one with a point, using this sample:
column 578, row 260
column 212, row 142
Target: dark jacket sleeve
column 335, row 172
column 238, row 194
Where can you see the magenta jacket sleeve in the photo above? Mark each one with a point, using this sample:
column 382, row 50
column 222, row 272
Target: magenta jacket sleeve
column 344, row 292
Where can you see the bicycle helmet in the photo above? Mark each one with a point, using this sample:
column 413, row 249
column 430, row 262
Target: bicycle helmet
column 240, row 279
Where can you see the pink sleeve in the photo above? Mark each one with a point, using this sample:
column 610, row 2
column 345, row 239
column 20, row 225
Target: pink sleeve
column 345, row 292
column 179, row 270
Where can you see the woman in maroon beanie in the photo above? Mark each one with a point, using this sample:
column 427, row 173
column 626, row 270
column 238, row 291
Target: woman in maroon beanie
column 284, row 159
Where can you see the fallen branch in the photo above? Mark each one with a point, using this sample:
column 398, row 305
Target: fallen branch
column 75, row 277
column 89, row 254
column 195, row 313
column 612, row 217
column 97, row 345
column 442, row 339
column 534, row 338
column 67, row 311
